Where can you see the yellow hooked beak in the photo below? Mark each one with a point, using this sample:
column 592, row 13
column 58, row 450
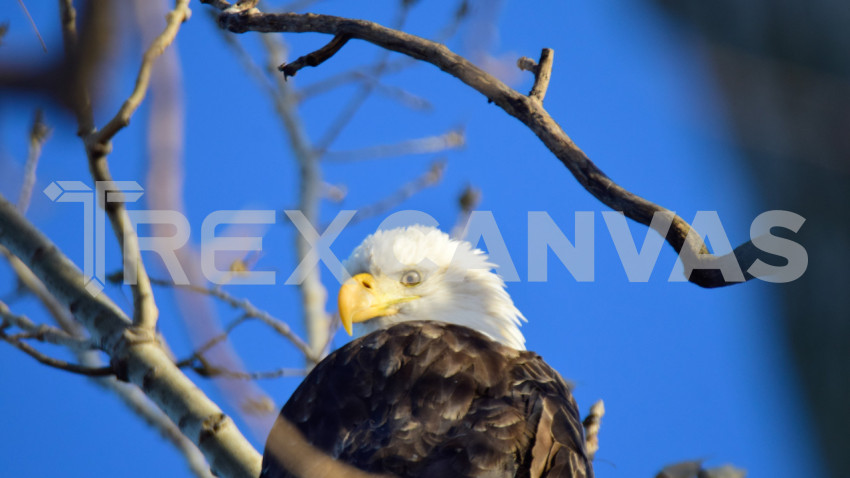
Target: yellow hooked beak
column 360, row 299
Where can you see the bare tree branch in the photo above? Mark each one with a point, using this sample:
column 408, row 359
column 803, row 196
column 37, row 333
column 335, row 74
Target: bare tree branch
column 164, row 187
column 174, row 19
column 145, row 312
column 98, row 146
column 135, row 354
column 132, row 397
column 705, row 267
column 313, row 292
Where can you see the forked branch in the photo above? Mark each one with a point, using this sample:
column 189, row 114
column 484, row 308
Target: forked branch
column 705, row 267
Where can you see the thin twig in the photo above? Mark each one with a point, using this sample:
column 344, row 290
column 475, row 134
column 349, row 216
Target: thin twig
column 394, row 66
column 54, row 362
column 34, row 27
column 39, row 132
column 43, row 332
column 216, row 339
column 427, row 145
column 315, row 58
column 431, row 177
column 203, row 368
column 174, row 19
column 467, row 202
column 399, row 94
column 542, row 75
column 250, row 311
column 357, row 74
column 348, row 112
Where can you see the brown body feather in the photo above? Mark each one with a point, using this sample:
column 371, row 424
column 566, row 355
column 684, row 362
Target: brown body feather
column 429, row 399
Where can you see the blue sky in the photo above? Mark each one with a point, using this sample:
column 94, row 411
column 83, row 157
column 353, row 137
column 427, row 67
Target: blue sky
column 685, row 373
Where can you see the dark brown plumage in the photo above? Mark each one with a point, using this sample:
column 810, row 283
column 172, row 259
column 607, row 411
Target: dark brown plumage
column 430, row 399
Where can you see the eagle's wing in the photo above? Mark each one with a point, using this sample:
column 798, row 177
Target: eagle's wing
column 427, row 399
column 559, row 446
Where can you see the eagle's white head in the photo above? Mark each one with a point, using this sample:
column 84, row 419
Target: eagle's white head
column 420, row 273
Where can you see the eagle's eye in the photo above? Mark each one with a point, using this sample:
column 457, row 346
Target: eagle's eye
column 410, row 278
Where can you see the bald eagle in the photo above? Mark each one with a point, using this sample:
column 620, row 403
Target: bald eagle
column 439, row 383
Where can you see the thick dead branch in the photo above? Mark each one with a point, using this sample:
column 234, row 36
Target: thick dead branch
column 706, row 268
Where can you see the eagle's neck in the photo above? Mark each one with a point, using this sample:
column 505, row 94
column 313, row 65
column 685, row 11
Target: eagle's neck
column 498, row 320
